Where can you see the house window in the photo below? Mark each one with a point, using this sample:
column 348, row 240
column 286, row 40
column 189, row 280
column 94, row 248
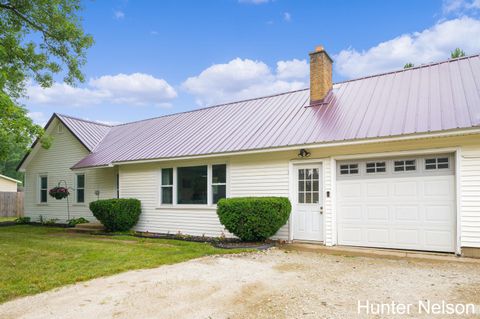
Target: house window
column 192, row 185
column 347, row 169
column 43, row 181
column 404, row 165
column 437, row 163
column 376, row 167
column 167, row 186
column 219, row 182
column 118, row 185
column 308, row 186
column 80, row 188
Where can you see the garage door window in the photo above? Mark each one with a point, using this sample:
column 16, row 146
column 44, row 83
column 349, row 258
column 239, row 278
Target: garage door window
column 376, row 167
column 404, row 165
column 347, row 169
column 437, row 163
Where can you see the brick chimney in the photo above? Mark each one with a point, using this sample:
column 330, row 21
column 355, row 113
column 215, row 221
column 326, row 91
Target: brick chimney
column 320, row 74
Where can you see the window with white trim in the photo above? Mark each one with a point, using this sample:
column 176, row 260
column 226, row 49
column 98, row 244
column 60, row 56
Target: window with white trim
column 347, row 169
column 376, row 167
column 437, row 163
column 219, row 182
column 200, row 185
column 167, row 186
column 43, row 188
column 80, row 188
column 404, row 165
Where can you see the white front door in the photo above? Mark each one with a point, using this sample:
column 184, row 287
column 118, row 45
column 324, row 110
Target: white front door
column 308, row 205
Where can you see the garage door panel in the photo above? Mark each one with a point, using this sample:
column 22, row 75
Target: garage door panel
column 405, row 188
column 376, row 235
column 414, row 211
column 377, row 213
column 407, row 213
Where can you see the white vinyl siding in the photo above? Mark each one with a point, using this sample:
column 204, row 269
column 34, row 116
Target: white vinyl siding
column 470, row 196
column 56, row 161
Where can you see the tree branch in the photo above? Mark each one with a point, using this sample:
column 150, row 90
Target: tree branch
column 8, row 6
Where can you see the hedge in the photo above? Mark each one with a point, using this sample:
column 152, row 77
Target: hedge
column 253, row 218
column 118, row 214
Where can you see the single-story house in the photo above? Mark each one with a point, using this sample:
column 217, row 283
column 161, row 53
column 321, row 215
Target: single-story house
column 390, row 160
column 8, row 184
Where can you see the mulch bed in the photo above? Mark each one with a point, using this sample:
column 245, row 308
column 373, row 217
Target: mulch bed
column 9, row 223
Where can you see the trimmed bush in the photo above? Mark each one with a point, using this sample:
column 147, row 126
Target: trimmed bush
column 117, row 214
column 254, row 218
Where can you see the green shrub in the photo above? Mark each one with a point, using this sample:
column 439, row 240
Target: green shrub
column 22, row 220
column 254, row 218
column 118, row 214
column 75, row 221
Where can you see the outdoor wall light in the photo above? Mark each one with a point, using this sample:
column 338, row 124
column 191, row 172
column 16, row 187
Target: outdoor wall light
column 303, row 153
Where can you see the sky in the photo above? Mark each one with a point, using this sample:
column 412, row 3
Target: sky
column 152, row 58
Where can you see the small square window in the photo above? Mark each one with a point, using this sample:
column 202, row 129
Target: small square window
column 437, row 163
column 376, row 167
column 348, row 169
column 404, row 165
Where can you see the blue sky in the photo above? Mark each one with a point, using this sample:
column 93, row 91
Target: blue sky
column 152, row 58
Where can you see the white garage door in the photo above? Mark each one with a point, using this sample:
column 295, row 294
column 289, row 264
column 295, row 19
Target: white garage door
column 404, row 203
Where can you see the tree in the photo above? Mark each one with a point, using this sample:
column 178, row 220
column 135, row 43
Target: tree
column 38, row 39
column 408, row 65
column 457, row 53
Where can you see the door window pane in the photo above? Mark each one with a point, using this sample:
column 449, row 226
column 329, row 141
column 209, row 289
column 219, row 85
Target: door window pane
column 308, row 186
column 192, row 185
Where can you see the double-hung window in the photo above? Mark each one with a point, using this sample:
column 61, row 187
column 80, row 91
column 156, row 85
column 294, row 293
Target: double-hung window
column 43, row 189
column 80, row 188
column 167, row 186
column 200, row 185
column 219, row 182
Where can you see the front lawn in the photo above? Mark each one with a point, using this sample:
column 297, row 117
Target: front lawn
column 7, row 219
column 34, row 259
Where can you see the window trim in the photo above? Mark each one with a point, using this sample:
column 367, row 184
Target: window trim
column 39, row 189
column 77, row 188
column 209, row 203
column 349, row 169
column 167, row 185
column 375, row 167
column 210, row 183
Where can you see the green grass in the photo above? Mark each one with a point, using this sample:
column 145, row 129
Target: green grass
column 35, row 259
column 7, row 219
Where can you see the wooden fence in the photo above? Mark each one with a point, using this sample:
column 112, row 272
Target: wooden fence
column 11, row 204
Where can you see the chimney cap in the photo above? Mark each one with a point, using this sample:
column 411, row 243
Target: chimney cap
column 321, row 49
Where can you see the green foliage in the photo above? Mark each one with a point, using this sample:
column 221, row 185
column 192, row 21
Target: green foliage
column 75, row 221
column 22, row 220
column 37, row 40
column 408, row 65
column 457, row 53
column 117, row 214
column 47, row 222
column 254, row 218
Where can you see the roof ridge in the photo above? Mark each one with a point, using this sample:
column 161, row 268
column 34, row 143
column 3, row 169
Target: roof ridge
column 214, row 106
column 83, row 120
column 426, row 65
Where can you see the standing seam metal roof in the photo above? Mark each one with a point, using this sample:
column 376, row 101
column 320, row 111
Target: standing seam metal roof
column 435, row 97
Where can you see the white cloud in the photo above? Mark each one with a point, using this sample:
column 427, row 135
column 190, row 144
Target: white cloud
column 287, row 16
column 460, row 7
column 38, row 118
column 243, row 78
column 253, row 1
column 135, row 89
column 293, row 69
column 119, row 15
column 429, row 45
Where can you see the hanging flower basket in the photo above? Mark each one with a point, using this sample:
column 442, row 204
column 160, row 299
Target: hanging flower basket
column 59, row 192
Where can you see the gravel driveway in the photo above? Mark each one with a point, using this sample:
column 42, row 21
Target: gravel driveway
column 272, row 284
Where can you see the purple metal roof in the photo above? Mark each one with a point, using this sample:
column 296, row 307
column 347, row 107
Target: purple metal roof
column 435, row 97
column 89, row 133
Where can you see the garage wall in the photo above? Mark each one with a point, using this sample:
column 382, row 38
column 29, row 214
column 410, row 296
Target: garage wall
column 470, row 196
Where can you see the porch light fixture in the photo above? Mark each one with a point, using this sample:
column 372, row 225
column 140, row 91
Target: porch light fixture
column 303, row 153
